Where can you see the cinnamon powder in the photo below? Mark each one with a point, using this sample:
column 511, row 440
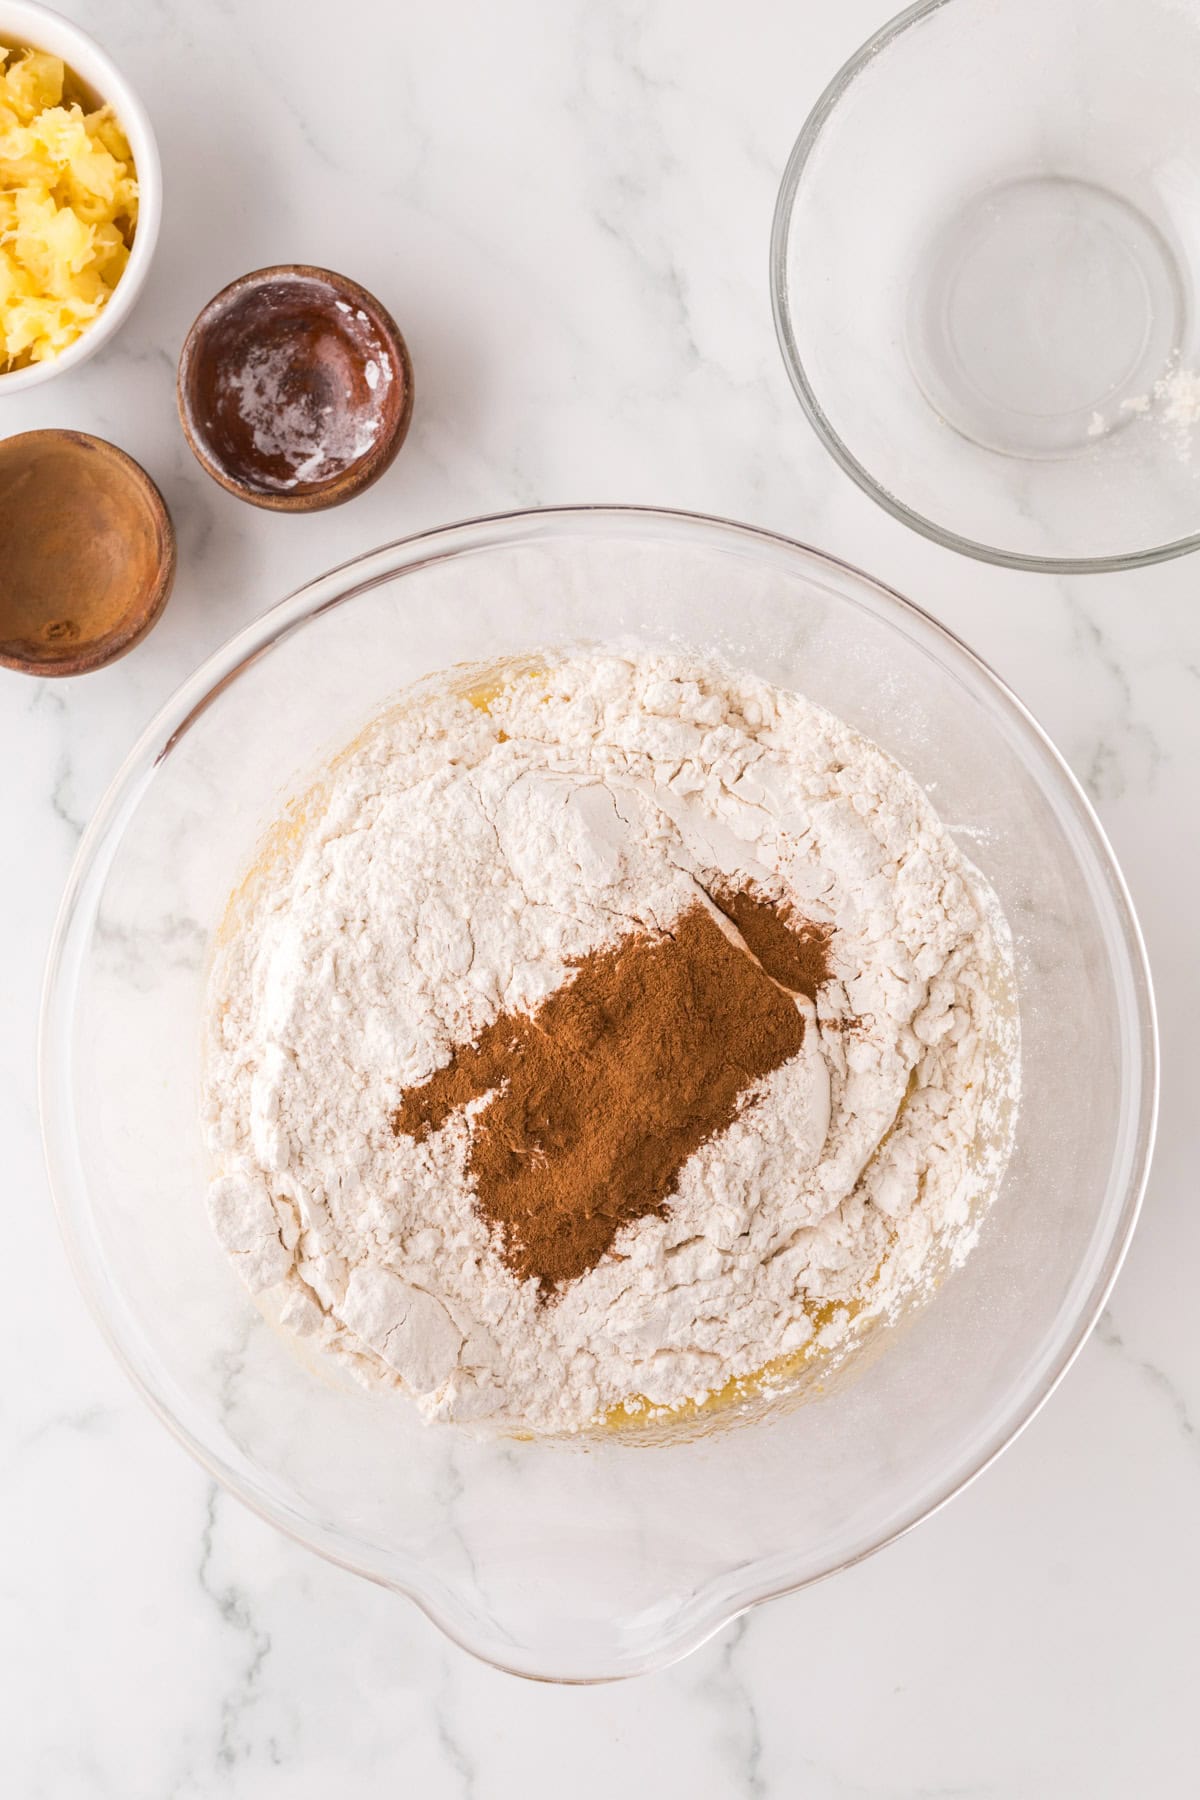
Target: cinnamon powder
column 599, row 1097
column 793, row 951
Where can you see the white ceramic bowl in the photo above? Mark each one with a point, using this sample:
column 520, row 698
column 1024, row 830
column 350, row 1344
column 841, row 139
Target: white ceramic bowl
column 39, row 28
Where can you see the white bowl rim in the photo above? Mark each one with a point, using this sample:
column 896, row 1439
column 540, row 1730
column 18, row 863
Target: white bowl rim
column 711, row 1609
column 845, row 458
column 38, row 27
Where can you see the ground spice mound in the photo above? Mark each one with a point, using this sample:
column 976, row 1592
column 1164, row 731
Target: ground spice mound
column 600, row 1096
column 793, row 951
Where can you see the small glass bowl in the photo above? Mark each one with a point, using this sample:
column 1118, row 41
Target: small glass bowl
column 610, row 1555
column 983, row 273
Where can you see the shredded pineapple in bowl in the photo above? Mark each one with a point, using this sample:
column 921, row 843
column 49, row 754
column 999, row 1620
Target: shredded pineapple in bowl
column 68, row 209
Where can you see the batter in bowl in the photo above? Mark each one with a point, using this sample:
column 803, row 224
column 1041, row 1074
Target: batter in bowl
column 601, row 1037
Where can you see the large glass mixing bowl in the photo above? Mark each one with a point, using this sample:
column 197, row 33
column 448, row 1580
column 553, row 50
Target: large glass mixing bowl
column 581, row 1560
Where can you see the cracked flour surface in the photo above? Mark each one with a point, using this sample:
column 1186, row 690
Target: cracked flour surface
column 456, row 862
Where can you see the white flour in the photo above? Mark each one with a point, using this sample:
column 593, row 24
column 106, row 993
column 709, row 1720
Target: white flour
column 287, row 419
column 458, row 860
column 314, row 441
column 1171, row 407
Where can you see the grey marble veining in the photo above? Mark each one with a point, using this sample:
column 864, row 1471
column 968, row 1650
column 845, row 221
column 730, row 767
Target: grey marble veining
column 568, row 208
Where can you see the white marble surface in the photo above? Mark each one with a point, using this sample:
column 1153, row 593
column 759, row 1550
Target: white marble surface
column 567, row 206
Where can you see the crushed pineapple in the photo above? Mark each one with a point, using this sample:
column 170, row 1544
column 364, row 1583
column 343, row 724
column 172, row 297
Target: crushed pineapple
column 68, row 209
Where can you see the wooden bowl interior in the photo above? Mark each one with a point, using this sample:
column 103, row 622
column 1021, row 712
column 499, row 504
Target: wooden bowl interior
column 87, row 552
column 291, row 383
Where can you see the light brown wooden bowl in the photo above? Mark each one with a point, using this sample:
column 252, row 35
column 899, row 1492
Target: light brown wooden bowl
column 295, row 388
column 87, row 552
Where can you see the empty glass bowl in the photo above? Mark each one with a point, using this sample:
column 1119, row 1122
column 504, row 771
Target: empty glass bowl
column 983, row 271
column 608, row 1556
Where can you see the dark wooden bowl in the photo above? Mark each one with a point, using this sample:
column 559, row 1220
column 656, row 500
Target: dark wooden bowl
column 87, row 553
column 295, row 388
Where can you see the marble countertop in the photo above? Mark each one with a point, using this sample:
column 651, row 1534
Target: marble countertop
column 567, row 207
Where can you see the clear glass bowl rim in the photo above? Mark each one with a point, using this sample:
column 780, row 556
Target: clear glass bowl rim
column 845, row 458
column 339, row 586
